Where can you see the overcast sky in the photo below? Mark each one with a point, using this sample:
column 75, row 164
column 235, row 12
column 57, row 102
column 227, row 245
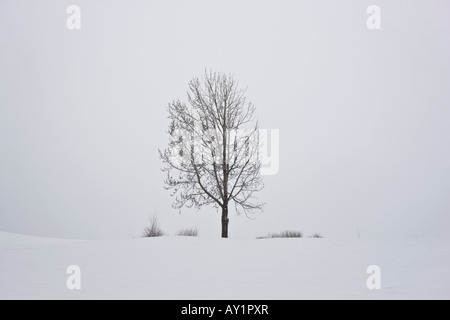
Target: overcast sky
column 364, row 115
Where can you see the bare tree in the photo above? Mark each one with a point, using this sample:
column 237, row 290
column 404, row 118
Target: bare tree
column 213, row 152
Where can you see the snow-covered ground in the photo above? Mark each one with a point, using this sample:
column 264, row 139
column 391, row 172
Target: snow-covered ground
column 202, row 268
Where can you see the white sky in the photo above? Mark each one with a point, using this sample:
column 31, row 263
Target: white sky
column 363, row 115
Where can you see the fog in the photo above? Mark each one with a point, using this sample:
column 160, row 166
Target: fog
column 363, row 115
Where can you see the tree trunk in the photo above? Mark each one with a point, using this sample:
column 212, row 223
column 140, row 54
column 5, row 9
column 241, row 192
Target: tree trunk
column 225, row 221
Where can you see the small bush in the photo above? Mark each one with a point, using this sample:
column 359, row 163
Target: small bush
column 153, row 229
column 316, row 235
column 284, row 234
column 291, row 234
column 188, row 232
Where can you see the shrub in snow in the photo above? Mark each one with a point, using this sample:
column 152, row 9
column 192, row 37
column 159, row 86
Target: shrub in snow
column 291, row 234
column 153, row 229
column 284, row 234
column 188, row 232
column 316, row 235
